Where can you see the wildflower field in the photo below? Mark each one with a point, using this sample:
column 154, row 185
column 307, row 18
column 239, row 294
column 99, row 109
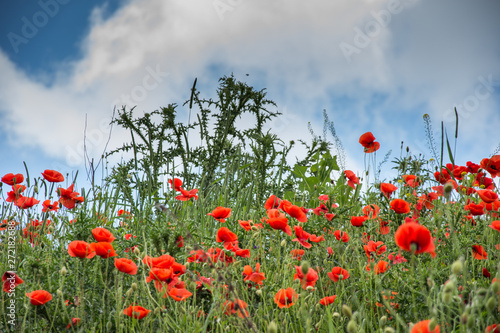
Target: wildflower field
column 239, row 240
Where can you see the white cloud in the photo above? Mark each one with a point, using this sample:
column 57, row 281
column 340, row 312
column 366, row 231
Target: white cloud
column 430, row 54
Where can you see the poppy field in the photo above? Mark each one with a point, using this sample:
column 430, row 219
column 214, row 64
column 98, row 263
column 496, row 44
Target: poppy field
column 250, row 243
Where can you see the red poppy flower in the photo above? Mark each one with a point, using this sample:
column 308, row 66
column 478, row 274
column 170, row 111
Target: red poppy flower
column 69, row 198
column 423, row 327
column 11, row 179
column 367, row 140
column 492, row 165
column 80, row 249
column 495, row 225
column 272, row 202
column 51, row 207
column 374, row 247
column 306, row 280
column 341, row 235
column 179, row 294
column 26, row 202
column 315, row 239
column 39, row 297
column 245, row 225
column 414, row 235
column 351, row 178
column 126, row 266
column 357, row 221
column 371, row 211
column 103, row 235
column 327, row 300
column 256, row 277
column 280, row 223
column 336, row 272
column 53, row 176
column 297, row 253
column 479, row 253
column 495, row 328
column 400, row 206
column 186, row 195
column 177, row 183
column 225, row 235
column 285, row 298
column 381, row 267
column 488, row 196
column 136, row 311
column 296, row 212
column 103, row 249
column 73, row 323
column 302, row 237
column 10, row 281
column 486, row 274
column 475, row 209
column 15, row 194
column 411, row 180
column 159, row 274
column 221, row 214
column 237, row 307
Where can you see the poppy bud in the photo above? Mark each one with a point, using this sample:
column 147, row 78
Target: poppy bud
column 446, row 298
column 352, row 327
column 309, row 288
column 481, row 293
column 305, row 267
column 464, row 318
column 137, row 251
column 63, row 271
column 470, row 321
column 59, row 293
column 272, row 328
column 129, row 292
column 491, row 304
column 456, row 267
column 496, row 287
column 346, row 311
column 389, row 330
column 254, row 228
column 382, row 321
column 336, row 315
column 448, row 287
column 448, row 187
column 258, row 292
column 35, row 189
column 283, row 243
column 432, row 324
column 134, row 286
column 109, row 326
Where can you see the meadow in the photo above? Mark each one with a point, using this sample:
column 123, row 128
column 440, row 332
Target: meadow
column 242, row 241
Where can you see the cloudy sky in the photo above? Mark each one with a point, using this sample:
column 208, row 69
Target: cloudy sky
column 374, row 65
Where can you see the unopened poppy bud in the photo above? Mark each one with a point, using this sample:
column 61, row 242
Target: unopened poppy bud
column 389, row 330
column 430, row 282
column 59, row 293
column 35, row 189
column 432, row 324
column 305, row 267
column 64, row 271
column 446, row 298
column 495, row 287
column 134, row 286
column 448, row 287
column 157, row 310
column 109, row 326
column 137, row 251
column 336, row 315
column 491, row 304
column 481, row 293
column 470, row 321
column 346, row 311
column 382, row 321
column 258, row 292
column 448, row 187
column 283, row 243
column 129, row 292
column 309, row 288
column 352, row 327
column 464, row 318
column 254, row 228
column 456, row 267
column 272, row 328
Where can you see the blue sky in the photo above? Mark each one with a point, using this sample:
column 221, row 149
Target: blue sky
column 374, row 65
